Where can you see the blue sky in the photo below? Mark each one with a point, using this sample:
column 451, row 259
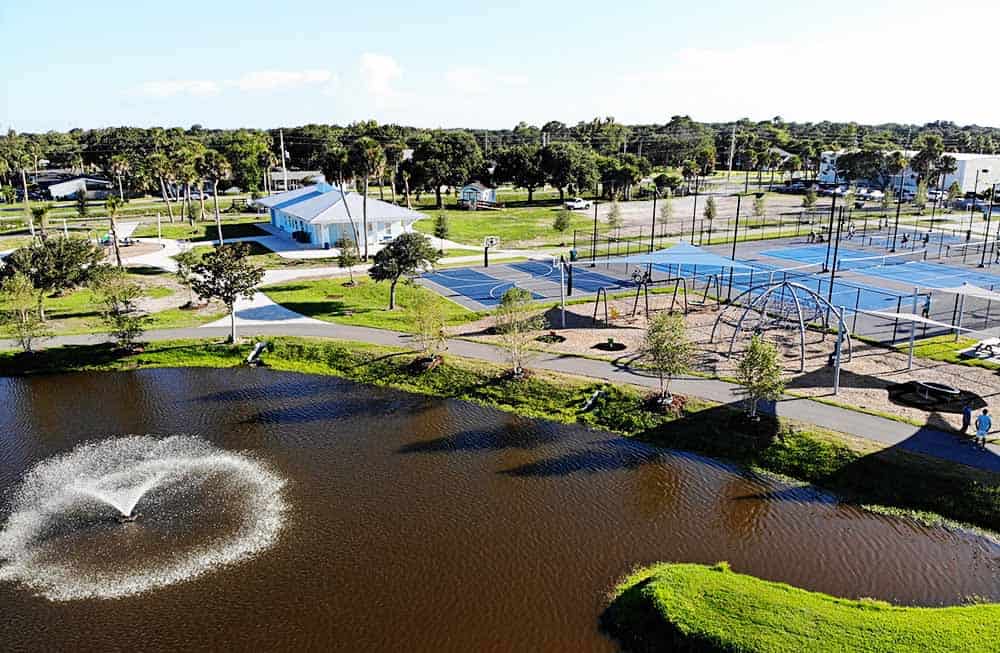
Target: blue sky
column 263, row 64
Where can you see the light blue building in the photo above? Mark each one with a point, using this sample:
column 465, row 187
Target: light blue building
column 321, row 215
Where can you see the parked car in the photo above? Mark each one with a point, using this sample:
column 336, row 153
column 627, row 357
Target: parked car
column 578, row 203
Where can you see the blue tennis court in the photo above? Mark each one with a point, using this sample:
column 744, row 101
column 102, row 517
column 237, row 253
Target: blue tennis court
column 849, row 294
column 901, row 269
column 475, row 285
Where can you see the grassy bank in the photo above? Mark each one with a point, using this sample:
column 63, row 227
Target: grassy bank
column 686, row 607
column 856, row 469
column 945, row 349
column 364, row 304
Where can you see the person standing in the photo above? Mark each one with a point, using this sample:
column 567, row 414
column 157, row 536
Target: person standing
column 983, row 425
column 966, row 417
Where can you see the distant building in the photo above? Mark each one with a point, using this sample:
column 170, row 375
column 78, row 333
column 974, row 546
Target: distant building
column 474, row 194
column 318, row 214
column 965, row 174
column 68, row 188
column 296, row 179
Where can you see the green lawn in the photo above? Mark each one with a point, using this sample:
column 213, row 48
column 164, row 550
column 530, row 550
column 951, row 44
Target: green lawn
column 364, row 304
column 79, row 312
column 688, row 607
column 945, row 348
column 516, row 227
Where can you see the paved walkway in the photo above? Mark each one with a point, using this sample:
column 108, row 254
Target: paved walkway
column 888, row 432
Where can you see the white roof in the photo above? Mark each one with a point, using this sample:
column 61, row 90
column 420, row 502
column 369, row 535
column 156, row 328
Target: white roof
column 322, row 204
column 913, row 317
column 278, row 198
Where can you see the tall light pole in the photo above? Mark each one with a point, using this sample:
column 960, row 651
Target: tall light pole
column 989, row 217
column 972, row 207
column 652, row 224
column 694, row 213
column 736, row 233
column 593, row 242
column 899, row 208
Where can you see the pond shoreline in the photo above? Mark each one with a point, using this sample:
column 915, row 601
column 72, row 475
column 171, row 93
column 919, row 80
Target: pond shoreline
column 857, row 471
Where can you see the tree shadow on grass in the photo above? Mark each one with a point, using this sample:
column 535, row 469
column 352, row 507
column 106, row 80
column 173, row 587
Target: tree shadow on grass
column 59, row 359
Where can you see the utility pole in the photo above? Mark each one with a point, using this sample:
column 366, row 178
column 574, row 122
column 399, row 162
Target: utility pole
column 732, row 152
column 652, row 224
column 284, row 170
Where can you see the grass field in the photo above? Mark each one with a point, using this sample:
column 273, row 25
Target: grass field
column 687, row 607
column 364, row 304
column 516, row 227
column 78, row 311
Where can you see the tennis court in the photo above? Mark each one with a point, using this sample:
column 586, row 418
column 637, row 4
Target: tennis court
column 905, row 267
column 584, row 279
column 849, row 294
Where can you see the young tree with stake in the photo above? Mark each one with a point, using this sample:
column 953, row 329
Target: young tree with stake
column 441, row 229
column 514, row 325
column 21, row 316
column 119, row 296
column 667, row 350
column 348, row 256
column 759, row 372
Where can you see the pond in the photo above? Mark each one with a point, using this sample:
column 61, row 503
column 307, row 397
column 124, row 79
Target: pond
column 389, row 521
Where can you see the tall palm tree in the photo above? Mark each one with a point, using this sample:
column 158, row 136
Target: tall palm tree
column 366, row 159
column 216, row 168
column 335, row 165
column 120, row 166
column 160, row 164
column 112, row 204
column 393, row 155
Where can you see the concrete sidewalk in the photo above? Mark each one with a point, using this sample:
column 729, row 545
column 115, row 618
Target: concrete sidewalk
column 888, row 432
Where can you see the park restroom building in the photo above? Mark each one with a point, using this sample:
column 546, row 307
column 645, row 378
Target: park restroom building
column 322, row 215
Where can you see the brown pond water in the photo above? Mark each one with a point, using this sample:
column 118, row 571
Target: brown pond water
column 416, row 524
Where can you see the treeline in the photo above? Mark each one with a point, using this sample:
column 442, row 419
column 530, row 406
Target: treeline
column 572, row 158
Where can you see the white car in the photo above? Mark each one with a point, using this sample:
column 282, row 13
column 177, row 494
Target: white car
column 578, row 203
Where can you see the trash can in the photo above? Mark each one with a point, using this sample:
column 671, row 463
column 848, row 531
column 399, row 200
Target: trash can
column 572, row 255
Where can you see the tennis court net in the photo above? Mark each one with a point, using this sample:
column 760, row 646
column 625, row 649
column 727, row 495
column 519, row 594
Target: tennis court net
column 881, row 260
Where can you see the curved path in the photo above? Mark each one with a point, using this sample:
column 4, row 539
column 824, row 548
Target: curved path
column 925, row 440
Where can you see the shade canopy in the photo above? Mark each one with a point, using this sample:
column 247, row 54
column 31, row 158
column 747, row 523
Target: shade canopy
column 680, row 254
column 971, row 290
column 913, row 317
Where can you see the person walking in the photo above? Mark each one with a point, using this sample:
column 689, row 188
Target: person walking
column 966, row 417
column 983, row 425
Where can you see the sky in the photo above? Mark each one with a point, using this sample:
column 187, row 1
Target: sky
column 226, row 64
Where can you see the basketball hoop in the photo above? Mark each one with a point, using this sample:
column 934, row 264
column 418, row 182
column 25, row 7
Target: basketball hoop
column 491, row 241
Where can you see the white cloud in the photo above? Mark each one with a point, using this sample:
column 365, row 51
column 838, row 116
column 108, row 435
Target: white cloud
column 267, row 80
column 171, row 87
column 378, row 73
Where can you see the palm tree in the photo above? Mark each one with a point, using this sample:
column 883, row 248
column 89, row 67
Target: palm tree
column 112, row 204
column 792, row 165
column 119, row 167
column 160, row 165
column 335, row 166
column 267, row 161
column 366, row 159
column 393, row 155
column 216, row 167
